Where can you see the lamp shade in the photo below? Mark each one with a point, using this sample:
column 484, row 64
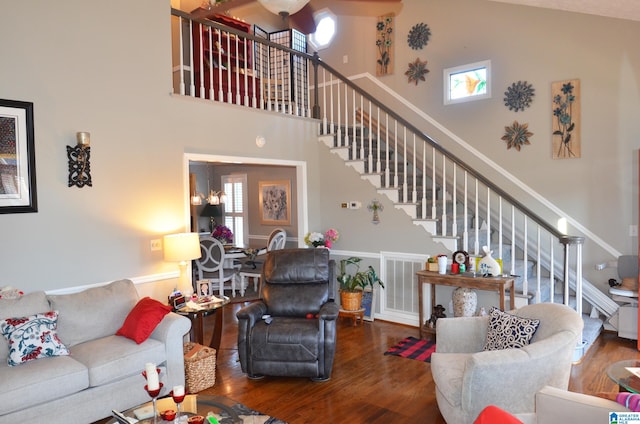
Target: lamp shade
column 181, row 247
column 286, row 7
column 210, row 210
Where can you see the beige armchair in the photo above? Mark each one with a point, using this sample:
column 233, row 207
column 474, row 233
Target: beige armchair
column 468, row 379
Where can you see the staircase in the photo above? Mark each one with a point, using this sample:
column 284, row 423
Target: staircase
column 446, row 197
column 374, row 158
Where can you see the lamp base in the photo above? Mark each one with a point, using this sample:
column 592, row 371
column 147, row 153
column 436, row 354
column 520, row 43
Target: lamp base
column 184, row 283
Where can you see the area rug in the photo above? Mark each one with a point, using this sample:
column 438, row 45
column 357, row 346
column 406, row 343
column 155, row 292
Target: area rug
column 413, row 348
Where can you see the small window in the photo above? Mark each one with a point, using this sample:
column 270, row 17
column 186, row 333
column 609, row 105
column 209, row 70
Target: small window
column 325, row 29
column 467, row 82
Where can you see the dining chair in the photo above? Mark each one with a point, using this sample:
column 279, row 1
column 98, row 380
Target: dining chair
column 253, row 269
column 211, row 266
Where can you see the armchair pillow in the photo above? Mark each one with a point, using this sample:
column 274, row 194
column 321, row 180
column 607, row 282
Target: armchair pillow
column 32, row 337
column 507, row 331
column 143, row 319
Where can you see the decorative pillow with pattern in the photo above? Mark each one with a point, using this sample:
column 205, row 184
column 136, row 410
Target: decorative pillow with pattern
column 508, row 331
column 32, row 337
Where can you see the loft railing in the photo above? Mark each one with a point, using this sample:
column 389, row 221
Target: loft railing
column 441, row 192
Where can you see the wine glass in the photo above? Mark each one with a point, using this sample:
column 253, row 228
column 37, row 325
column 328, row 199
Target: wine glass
column 154, row 395
column 178, row 398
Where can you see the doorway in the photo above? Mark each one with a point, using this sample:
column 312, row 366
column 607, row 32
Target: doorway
column 258, row 170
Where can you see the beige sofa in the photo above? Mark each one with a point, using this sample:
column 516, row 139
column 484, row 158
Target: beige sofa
column 555, row 405
column 102, row 372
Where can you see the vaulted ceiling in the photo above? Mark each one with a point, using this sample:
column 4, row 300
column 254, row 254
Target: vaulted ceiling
column 623, row 9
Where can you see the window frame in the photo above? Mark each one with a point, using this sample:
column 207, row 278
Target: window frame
column 236, row 179
column 449, row 72
column 318, row 17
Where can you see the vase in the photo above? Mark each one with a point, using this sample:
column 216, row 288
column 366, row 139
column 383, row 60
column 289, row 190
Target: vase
column 376, row 217
column 465, row 302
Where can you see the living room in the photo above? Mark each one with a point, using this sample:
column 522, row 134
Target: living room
column 105, row 68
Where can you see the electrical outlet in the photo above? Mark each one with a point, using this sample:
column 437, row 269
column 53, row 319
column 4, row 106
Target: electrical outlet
column 633, row 231
column 156, row 244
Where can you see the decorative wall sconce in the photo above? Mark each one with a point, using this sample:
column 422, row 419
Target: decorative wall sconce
column 374, row 207
column 79, row 161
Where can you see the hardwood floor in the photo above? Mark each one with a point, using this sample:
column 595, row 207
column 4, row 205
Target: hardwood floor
column 369, row 387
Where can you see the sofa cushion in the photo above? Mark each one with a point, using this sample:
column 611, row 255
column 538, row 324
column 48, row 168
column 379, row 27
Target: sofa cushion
column 28, row 304
column 82, row 318
column 508, row 331
column 113, row 357
column 143, row 319
column 32, row 337
column 40, row 381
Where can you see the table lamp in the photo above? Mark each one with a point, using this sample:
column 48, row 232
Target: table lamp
column 181, row 248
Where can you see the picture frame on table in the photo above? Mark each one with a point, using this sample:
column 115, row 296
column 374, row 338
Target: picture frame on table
column 17, row 158
column 368, row 297
column 275, row 202
column 204, row 288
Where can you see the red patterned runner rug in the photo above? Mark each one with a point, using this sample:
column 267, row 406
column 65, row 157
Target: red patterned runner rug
column 413, row 348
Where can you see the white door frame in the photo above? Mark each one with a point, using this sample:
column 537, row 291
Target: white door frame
column 301, row 183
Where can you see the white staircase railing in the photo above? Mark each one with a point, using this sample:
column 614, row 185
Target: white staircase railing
column 443, row 194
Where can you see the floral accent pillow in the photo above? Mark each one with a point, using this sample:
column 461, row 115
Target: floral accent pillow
column 32, row 337
column 508, row 331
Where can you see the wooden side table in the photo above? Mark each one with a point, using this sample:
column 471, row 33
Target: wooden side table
column 499, row 284
column 355, row 315
column 197, row 323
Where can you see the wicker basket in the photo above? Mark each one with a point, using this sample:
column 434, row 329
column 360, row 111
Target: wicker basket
column 351, row 301
column 199, row 367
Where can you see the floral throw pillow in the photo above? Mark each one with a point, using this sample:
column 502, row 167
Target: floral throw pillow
column 508, row 331
column 32, row 337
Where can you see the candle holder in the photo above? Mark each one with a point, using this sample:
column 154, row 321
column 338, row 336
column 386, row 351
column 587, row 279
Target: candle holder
column 178, row 400
column 154, row 396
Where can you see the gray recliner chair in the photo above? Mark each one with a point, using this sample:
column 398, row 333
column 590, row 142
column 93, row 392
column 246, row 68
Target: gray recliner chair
column 298, row 292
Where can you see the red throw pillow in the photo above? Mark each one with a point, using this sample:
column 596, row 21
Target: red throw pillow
column 143, row 319
column 494, row 415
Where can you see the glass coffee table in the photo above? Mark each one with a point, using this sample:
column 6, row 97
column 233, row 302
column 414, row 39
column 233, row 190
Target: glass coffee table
column 626, row 374
column 192, row 405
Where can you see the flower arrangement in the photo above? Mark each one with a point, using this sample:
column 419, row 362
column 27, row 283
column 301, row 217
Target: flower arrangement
column 374, row 207
column 316, row 239
column 222, row 233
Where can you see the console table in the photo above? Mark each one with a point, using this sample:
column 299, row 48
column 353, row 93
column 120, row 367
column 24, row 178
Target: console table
column 499, row 284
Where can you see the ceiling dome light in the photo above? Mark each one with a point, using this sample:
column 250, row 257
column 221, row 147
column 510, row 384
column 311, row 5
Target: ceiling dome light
column 283, row 7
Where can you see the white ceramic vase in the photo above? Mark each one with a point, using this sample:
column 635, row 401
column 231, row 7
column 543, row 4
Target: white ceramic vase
column 465, row 302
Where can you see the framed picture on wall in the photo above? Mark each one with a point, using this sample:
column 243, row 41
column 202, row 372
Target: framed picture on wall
column 275, row 202
column 17, row 158
column 367, row 304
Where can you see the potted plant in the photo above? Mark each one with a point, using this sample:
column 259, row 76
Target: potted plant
column 352, row 285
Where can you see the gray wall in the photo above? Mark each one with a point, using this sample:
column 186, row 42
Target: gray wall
column 103, row 67
column 539, row 46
